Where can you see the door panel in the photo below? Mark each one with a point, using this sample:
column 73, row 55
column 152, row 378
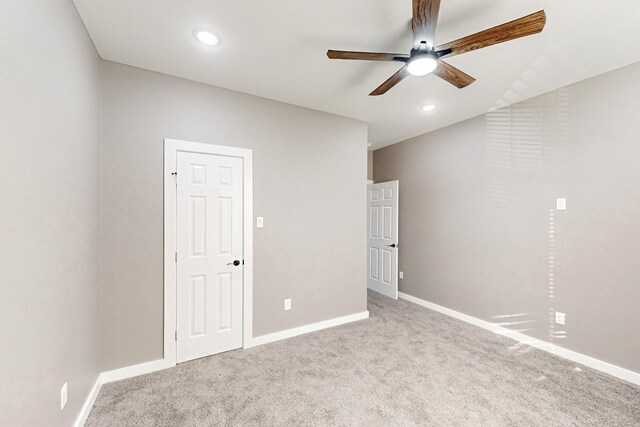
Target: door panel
column 387, row 267
column 197, row 220
column 387, row 220
column 225, row 299
column 197, row 298
column 225, row 212
column 209, row 239
column 383, row 232
column 373, row 263
column 374, row 220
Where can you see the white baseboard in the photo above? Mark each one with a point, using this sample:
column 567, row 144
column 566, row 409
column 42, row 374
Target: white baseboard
column 289, row 333
column 135, row 370
column 158, row 365
column 608, row 368
column 88, row 404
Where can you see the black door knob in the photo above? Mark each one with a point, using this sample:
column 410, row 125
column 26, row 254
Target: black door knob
column 236, row 263
column 393, row 245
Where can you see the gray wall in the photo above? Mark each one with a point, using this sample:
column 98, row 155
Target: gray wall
column 309, row 172
column 478, row 229
column 49, row 213
column 370, row 165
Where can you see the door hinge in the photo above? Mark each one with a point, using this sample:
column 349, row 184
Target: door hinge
column 176, row 256
column 176, row 335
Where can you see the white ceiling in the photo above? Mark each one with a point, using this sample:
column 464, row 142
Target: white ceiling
column 277, row 49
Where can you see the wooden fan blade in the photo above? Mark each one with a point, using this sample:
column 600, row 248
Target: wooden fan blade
column 526, row 26
column 367, row 56
column 391, row 82
column 454, row 76
column 424, row 22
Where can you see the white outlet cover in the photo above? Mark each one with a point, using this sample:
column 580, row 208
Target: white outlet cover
column 287, row 304
column 560, row 318
column 63, row 396
column 401, row 275
column 259, row 222
column 561, row 204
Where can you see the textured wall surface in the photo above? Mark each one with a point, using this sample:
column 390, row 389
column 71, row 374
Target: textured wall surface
column 309, row 185
column 479, row 232
column 49, row 213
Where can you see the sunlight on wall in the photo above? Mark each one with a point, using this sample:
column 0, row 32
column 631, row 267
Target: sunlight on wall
column 525, row 158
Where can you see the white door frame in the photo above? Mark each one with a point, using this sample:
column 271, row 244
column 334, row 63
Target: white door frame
column 171, row 148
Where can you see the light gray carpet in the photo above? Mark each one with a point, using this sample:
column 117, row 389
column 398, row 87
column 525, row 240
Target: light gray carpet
column 406, row 365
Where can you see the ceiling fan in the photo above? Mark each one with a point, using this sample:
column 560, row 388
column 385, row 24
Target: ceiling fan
column 425, row 58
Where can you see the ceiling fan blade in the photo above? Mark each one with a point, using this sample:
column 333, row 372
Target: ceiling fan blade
column 424, row 22
column 367, row 56
column 391, row 82
column 454, row 76
column 525, row 26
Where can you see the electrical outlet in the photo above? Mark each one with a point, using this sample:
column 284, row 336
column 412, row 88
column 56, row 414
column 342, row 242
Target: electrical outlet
column 401, row 275
column 259, row 222
column 560, row 318
column 561, row 204
column 287, row 304
column 63, row 396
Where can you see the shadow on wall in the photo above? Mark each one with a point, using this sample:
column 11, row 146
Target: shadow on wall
column 525, row 157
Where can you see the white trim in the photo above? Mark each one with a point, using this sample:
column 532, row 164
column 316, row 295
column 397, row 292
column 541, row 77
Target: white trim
column 171, row 147
column 116, row 375
column 160, row 364
column 135, row 370
column 88, row 403
column 290, row 333
column 608, row 368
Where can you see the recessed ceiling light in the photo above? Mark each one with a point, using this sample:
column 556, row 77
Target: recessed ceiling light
column 428, row 107
column 207, row 38
column 423, row 64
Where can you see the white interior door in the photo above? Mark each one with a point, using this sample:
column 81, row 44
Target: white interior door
column 382, row 244
column 209, row 254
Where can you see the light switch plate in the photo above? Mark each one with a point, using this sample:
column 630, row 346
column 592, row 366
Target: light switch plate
column 287, row 304
column 561, row 318
column 260, row 222
column 401, row 275
column 561, row 204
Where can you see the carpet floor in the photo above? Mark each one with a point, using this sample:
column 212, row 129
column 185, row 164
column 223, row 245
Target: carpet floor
column 404, row 366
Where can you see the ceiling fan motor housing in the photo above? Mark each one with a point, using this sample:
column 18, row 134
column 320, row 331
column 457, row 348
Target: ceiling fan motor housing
column 437, row 53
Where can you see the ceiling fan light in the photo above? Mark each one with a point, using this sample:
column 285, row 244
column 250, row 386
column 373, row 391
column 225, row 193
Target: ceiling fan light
column 421, row 65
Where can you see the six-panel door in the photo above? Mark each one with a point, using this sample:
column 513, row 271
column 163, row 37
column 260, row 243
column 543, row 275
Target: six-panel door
column 209, row 240
column 382, row 242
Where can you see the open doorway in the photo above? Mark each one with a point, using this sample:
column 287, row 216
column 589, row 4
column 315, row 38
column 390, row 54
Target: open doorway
column 382, row 238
